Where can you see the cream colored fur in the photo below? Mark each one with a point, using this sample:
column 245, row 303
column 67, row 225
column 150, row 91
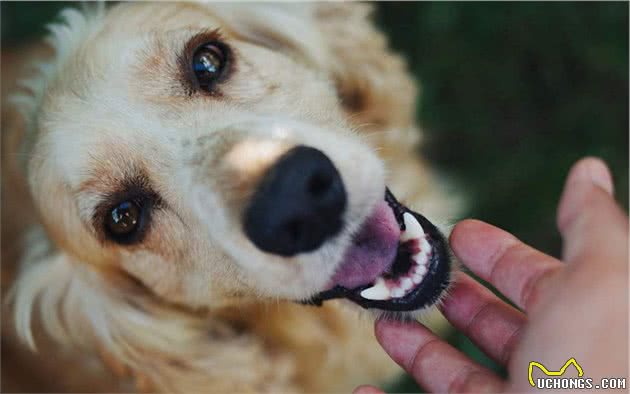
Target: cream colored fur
column 195, row 306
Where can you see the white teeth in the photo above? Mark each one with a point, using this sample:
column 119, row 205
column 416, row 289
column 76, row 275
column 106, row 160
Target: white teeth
column 377, row 292
column 413, row 229
column 397, row 293
column 419, row 273
column 424, row 244
column 381, row 290
column 420, row 258
column 420, row 270
column 406, row 284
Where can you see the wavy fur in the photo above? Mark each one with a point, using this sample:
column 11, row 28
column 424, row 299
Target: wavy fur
column 172, row 337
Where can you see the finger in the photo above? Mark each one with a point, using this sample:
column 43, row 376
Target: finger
column 493, row 325
column 434, row 364
column 367, row 389
column 515, row 269
column 593, row 226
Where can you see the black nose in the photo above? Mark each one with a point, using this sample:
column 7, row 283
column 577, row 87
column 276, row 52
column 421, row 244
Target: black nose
column 298, row 205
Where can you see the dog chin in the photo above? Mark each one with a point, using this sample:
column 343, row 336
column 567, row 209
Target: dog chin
column 398, row 266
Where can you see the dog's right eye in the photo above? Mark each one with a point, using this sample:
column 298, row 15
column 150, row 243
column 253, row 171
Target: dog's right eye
column 124, row 221
column 209, row 63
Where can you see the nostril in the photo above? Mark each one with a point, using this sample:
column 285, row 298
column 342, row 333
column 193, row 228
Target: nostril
column 319, row 183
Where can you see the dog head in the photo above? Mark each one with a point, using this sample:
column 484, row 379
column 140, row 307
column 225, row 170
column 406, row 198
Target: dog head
column 208, row 152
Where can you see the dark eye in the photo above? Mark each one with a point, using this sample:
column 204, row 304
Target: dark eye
column 124, row 221
column 209, row 63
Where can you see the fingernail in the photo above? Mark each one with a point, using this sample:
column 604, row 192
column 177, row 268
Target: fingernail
column 600, row 175
column 594, row 170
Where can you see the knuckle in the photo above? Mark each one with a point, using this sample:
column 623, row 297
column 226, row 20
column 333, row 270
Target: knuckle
column 502, row 255
column 413, row 366
column 535, row 287
column 467, row 380
column 509, row 345
column 480, row 315
column 459, row 382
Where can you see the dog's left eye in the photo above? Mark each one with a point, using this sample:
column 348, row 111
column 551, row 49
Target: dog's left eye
column 208, row 64
column 124, row 221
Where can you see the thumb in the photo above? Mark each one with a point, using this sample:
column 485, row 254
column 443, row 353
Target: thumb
column 588, row 217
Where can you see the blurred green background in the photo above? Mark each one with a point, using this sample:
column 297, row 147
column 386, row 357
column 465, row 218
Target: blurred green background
column 511, row 95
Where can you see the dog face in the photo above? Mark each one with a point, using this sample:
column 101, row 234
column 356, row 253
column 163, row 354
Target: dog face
column 212, row 161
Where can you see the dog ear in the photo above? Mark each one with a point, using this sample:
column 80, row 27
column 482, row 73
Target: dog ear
column 373, row 83
column 107, row 313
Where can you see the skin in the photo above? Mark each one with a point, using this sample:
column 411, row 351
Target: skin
column 574, row 307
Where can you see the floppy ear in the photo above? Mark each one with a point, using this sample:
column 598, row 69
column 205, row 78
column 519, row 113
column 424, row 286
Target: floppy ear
column 373, row 83
column 161, row 346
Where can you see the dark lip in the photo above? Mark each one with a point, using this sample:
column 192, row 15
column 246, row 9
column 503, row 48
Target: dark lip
column 424, row 294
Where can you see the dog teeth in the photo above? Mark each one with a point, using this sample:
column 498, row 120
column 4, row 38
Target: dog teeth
column 413, row 229
column 398, row 292
column 385, row 289
column 406, row 284
column 424, row 244
column 420, row 270
column 377, row 292
column 420, row 258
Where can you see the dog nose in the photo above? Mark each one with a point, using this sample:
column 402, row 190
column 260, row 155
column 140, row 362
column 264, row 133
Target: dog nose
column 298, row 205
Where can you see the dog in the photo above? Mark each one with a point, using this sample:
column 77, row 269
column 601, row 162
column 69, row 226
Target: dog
column 204, row 197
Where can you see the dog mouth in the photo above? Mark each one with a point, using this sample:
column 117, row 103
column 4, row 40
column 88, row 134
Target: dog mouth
column 398, row 261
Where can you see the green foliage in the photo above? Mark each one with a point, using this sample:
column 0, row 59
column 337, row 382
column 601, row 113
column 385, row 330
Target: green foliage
column 513, row 94
column 26, row 20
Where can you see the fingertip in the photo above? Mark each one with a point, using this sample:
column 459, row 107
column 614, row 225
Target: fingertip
column 367, row 389
column 474, row 242
column 591, row 169
column 384, row 328
column 400, row 338
column 463, row 229
column 452, row 301
column 578, row 189
column 380, row 326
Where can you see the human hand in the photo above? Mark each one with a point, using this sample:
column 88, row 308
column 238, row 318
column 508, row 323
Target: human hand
column 577, row 307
